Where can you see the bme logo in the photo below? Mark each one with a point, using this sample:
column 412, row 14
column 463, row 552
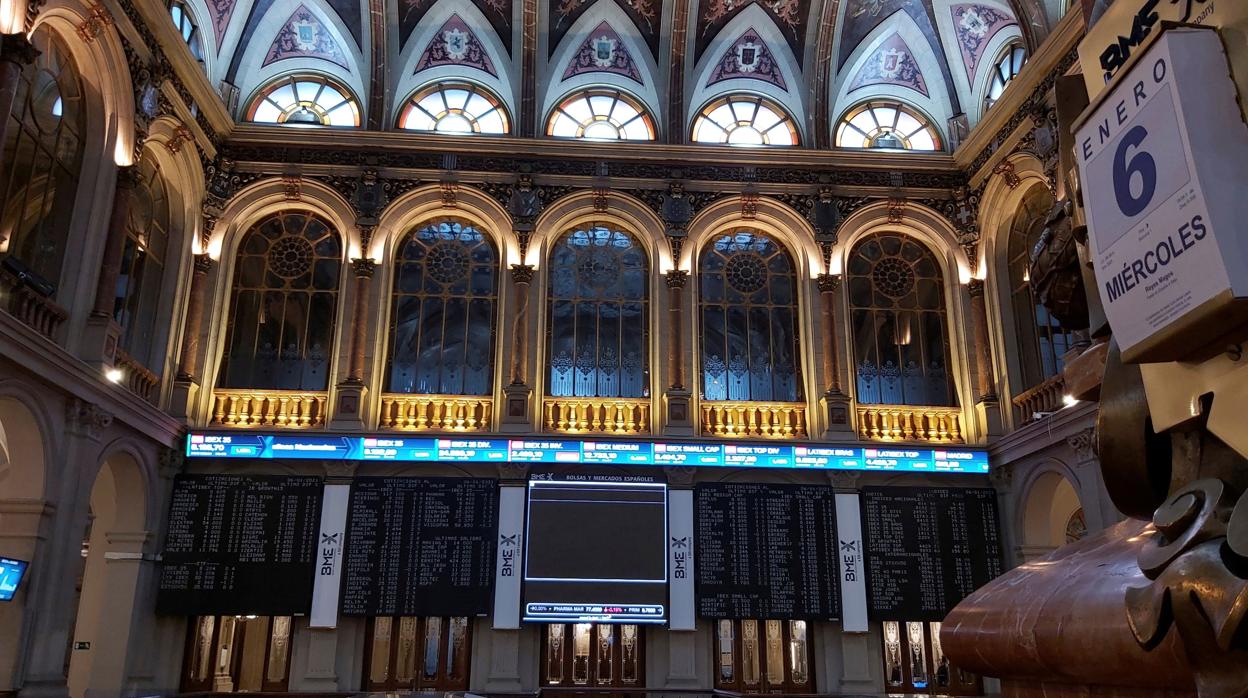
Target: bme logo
column 680, row 558
column 507, row 555
column 849, row 556
column 329, row 552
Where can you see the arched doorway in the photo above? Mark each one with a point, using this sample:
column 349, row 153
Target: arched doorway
column 22, row 515
column 1052, row 515
column 113, row 542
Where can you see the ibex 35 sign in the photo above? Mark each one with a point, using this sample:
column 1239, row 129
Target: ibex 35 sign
column 1158, row 160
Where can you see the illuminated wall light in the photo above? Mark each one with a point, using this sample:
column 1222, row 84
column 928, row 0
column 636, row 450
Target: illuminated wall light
column 114, row 374
column 1069, row 400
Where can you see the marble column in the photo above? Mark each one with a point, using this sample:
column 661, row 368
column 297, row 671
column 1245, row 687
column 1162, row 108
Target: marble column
column 984, row 381
column 678, row 395
column 102, row 331
column 349, row 404
column 517, row 408
column 188, row 357
column 835, row 399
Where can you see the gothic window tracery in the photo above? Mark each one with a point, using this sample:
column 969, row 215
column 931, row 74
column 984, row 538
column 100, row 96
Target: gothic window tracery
column 445, row 304
column 601, row 114
column 305, row 100
column 749, row 319
column 283, row 305
column 743, row 119
column 1007, row 67
column 455, row 107
column 598, row 330
column 43, row 162
column 897, row 314
column 886, row 125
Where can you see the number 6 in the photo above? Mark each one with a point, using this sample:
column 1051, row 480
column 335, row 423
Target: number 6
column 1142, row 164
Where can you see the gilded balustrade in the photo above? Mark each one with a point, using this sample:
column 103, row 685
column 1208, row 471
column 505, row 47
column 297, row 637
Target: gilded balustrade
column 768, row 420
column 1045, row 397
column 909, row 423
column 435, row 412
column 597, row 415
column 268, row 408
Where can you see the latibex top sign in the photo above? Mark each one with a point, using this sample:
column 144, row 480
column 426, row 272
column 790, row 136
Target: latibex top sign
column 1161, row 159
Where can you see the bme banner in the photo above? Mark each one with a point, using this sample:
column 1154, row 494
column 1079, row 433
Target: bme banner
column 1160, row 161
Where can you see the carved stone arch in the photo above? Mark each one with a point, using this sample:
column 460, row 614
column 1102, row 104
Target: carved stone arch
column 936, row 233
column 627, row 211
column 29, row 432
column 1036, row 500
column 794, row 100
column 1003, row 192
column 556, row 88
column 249, row 206
column 274, row 194
column 936, row 106
column 252, row 75
column 428, row 202
column 102, row 64
column 768, row 215
column 408, row 80
column 137, row 482
column 918, row 221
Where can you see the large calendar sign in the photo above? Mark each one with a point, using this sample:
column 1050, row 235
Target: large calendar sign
column 1161, row 159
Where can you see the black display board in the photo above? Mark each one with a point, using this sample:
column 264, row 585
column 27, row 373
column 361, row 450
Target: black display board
column 420, row 546
column 766, row 551
column 240, row 545
column 927, row 548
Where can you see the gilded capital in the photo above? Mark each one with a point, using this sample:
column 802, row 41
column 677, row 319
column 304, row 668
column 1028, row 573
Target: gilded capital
column 828, row 283
column 975, row 287
column 676, row 279
column 16, row 48
column 363, row 268
column 522, row 273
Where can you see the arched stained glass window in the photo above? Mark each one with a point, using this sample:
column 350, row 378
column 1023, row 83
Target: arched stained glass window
column 607, row 115
column 42, row 161
column 886, row 125
column 184, row 22
column 140, row 283
column 897, row 312
column 598, row 334
column 454, row 108
column 748, row 295
column 304, row 100
column 1042, row 341
column 445, row 308
column 744, row 119
column 1006, row 69
column 283, row 305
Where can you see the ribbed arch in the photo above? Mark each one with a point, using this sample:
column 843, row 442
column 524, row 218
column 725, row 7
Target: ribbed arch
column 748, row 319
column 598, row 326
column 444, row 311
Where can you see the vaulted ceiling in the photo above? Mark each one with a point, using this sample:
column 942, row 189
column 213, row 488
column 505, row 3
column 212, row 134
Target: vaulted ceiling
column 816, row 58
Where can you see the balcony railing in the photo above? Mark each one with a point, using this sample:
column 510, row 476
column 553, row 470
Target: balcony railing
column 573, row 415
column 31, row 309
column 136, row 377
column 1045, row 397
column 908, row 423
column 768, row 420
column 435, row 412
column 268, row 408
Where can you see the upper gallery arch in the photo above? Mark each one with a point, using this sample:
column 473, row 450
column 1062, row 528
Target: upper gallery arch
column 599, row 45
column 750, row 53
column 300, row 36
column 454, row 39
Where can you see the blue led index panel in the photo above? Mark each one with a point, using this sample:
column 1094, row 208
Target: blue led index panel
column 11, row 573
column 617, row 452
